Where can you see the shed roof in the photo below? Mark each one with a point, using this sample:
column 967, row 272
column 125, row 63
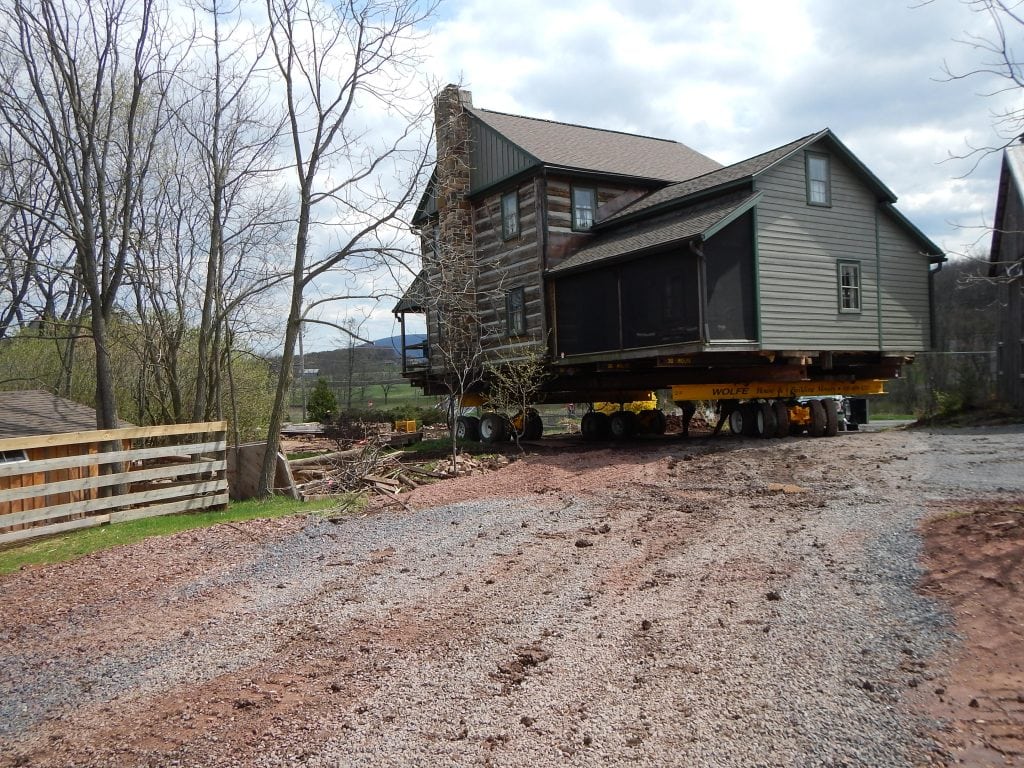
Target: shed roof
column 700, row 222
column 415, row 296
column 578, row 147
column 28, row 412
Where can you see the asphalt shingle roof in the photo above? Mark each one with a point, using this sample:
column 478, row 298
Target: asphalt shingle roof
column 29, row 412
column 742, row 170
column 680, row 227
column 593, row 149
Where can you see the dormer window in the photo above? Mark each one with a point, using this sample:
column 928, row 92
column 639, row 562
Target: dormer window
column 819, row 179
column 584, row 207
column 510, row 215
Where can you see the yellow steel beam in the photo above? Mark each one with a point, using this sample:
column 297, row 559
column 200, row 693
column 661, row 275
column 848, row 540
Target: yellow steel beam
column 772, row 390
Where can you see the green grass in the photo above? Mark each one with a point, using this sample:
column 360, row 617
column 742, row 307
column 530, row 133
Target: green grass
column 303, row 455
column 68, row 546
column 430, row 449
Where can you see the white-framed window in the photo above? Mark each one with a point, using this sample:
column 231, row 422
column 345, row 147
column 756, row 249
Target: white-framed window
column 515, row 311
column 584, row 207
column 10, row 457
column 819, row 179
column 510, row 215
column 849, row 286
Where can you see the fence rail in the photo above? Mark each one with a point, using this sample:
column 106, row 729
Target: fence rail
column 84, row 479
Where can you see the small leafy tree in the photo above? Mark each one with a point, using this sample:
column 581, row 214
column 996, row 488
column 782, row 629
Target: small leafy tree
column 322, row 402
column 514, row 383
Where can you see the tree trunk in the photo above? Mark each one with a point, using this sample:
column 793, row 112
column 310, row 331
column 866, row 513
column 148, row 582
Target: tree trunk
column 294, row 323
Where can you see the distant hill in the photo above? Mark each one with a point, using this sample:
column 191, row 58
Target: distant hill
column 394, row 343
column 380, row 355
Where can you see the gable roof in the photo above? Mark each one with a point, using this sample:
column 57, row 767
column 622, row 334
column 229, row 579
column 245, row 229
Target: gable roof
column 29, row 412
column 743, row 171
column 698, row 223
column 1011, row 181
column 580, row 148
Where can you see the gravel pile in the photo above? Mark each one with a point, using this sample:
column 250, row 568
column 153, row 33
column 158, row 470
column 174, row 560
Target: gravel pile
column 732, row 603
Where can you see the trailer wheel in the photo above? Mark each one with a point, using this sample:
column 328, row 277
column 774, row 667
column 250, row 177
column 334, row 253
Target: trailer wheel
column 651, row 421
column 831, row 417
column 782, row 425
column 594, row 425
column 765, row 421
column 494, row 428
column 467, row 428
column 623, row 425
column 736, row 419
column 817, row 426
column 533, row 429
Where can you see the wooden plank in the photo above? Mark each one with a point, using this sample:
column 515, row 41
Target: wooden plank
column 47, row 530
column 113, row 502
column 186, row 505
column 136, row 454
column 101, row 481
column 106, row 435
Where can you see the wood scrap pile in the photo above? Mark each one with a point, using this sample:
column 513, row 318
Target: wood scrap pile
column 347, row 431
column 375, row 468
column 368, row 467
column 464, row 465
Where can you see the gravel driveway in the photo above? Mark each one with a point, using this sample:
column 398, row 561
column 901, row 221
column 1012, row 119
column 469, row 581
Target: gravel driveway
column 713, row 602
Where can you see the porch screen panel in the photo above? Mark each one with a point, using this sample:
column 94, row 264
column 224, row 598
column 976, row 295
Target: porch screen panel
column 730, row 277
column 587, row 313
column 660, row 300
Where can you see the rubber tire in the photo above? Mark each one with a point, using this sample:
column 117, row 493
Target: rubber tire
column 736, row 421
column 782, row 426
column 651, row 422
column 534, row 426
column 594, row 426
column 623, row 425
column 831, row 417
column 764, row 420
column 467, row 428
column 494, row 428
column 817, row 426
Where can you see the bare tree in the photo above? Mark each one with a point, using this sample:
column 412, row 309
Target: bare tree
column 236, row 136
column 1000, row 66
column 209, row 220
column 83, row 85
column 335, row 63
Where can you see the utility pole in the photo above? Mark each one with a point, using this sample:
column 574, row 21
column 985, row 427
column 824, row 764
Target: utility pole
column 302, row 373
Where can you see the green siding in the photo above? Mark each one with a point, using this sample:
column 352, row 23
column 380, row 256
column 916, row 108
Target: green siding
column 799, row 246
column 905, row 299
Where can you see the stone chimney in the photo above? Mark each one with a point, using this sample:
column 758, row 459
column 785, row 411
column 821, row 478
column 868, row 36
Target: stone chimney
column 452, row 134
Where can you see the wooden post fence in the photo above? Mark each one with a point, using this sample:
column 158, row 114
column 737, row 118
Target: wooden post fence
column 55, row 483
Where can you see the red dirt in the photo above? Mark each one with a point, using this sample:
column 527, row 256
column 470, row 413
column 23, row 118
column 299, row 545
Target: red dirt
column 974, row 555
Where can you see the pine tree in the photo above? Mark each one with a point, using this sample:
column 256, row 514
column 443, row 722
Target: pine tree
column 322, row 404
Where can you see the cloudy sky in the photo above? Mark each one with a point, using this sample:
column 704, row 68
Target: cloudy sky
column 733, row 78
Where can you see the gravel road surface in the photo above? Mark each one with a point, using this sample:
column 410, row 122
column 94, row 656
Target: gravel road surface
column 717, row 602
